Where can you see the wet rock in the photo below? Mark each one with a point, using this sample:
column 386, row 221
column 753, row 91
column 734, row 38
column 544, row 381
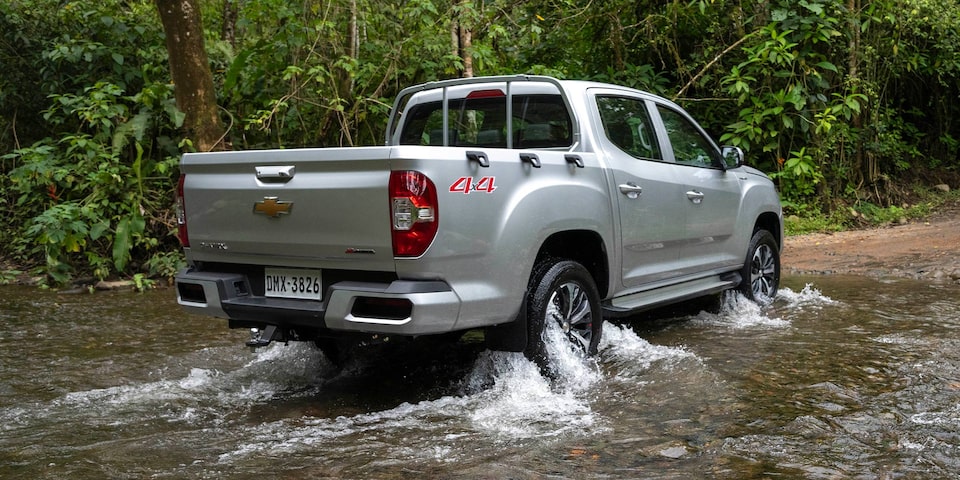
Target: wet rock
column 74, row 291
column 113, row 285
column 673, row 452
column 831, row 407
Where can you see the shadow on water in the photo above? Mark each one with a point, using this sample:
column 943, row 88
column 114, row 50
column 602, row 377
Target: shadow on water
column 841, row 378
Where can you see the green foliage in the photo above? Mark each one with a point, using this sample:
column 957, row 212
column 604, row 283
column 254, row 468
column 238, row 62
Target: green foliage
column 834, row 104
column 814, row 222
column 641, row 77
column 61, row 230
column 8, row 276
column 143, row 283
column 165, row 264
column 863, row 213
column 93, row 196
column 876, row 214
column 800, row 173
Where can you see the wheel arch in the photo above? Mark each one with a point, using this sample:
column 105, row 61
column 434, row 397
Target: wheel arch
column 770, row 222
column 585, row 247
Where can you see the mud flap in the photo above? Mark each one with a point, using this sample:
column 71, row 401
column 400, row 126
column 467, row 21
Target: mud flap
column 509, row 337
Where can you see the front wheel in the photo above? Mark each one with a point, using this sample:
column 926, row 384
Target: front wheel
column 761, row 270
column 562, row 294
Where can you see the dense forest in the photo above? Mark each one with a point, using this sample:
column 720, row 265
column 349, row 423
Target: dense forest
column 850, row 105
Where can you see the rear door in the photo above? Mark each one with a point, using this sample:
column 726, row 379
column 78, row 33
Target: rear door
column 649, row 195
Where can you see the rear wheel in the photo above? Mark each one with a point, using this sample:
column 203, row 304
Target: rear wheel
column 562, row 294
column 761, row 271
column 337, row 351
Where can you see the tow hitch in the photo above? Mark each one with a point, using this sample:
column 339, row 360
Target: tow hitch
column 262, row 338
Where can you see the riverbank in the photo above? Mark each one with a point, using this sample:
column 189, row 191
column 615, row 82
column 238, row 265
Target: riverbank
column 926, row 249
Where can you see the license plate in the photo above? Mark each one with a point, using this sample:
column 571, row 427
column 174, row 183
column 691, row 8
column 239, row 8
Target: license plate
column 293, row 283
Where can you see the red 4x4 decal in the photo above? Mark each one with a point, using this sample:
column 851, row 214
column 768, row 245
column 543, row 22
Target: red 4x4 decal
column 465, row 185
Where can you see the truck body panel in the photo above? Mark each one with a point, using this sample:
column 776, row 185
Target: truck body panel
column 486, row 177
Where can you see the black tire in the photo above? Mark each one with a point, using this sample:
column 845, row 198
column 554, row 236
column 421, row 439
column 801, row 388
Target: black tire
column 337, row 351
column 761, row 270
column 562, row 292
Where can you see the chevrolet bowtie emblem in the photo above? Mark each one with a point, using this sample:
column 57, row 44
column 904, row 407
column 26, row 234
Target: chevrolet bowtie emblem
column 271, row 207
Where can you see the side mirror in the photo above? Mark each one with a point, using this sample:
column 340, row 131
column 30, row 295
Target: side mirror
column 732, row 157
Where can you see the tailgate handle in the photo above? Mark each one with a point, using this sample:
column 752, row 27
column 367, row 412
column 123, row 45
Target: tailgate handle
column 530, row 158
column 272, row 173
column 479, row 157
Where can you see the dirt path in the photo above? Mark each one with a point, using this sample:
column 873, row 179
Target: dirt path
column 927, row 249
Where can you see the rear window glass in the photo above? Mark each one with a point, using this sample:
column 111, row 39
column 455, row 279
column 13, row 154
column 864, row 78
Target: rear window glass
column 539, row 121
column 627, row 125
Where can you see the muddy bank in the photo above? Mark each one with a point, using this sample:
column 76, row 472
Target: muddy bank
column 928, row 249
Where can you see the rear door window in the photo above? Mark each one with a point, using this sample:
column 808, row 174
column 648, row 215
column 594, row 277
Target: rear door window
column 626, row 123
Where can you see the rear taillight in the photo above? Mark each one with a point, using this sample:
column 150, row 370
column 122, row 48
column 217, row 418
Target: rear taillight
column 413, row 211
column 181, row 212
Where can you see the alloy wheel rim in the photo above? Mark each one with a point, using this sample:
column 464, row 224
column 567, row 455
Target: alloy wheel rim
column 763, row 273
column 569, row 306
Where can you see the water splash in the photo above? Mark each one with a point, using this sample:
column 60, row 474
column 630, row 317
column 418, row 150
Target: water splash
column 522, row 404
column 949, row 418
column 503, row 400
column 808, row 297
column 737, row 311
column 621, row 345
column 207, row 393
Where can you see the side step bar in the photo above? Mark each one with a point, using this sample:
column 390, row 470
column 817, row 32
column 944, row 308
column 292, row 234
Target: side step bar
column 645, row 300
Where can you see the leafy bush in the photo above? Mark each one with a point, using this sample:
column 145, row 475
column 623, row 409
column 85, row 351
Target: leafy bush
column 94, row 197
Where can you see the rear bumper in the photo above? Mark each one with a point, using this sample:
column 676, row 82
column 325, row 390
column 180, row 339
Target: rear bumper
column 401, row 307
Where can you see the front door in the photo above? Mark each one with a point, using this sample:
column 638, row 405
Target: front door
column 711, row 196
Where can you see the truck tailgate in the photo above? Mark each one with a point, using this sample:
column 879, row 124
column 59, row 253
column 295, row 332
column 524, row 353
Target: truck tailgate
column 317, row 208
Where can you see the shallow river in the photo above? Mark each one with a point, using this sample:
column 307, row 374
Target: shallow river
column 841, row 378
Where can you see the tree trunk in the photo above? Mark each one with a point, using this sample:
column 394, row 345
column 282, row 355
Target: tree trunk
column 461, row 35
column 353, row 50
column 466, row 42
column 228, row 33
column 354, row 31
column 190, row 70
column 866, row 163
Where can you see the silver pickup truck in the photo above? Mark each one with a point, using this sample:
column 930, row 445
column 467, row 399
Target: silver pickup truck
column 508, row 204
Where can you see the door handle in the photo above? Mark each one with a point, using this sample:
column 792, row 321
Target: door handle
column 695, row 196
column 630, row 189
